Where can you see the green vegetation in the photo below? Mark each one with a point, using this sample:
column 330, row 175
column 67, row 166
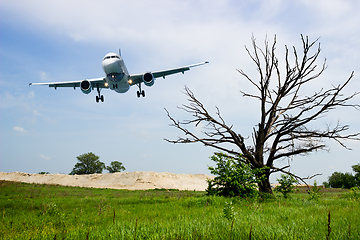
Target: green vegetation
column 89, row 163
column 115, row 166
column 286, row 186
column 314, row 193
column 33, row 211
column 233, row 177
column 344, row 180
column 356, row 169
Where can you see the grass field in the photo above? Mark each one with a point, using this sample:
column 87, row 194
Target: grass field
column 32, row 211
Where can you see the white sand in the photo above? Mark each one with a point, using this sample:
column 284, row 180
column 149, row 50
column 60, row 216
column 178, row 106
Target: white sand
column 122, row 180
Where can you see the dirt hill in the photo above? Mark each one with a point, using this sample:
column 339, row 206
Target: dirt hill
column 122, row 180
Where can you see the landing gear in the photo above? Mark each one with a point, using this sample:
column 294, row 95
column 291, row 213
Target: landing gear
column 140, row 92
column 99, row 97
column 115, row 86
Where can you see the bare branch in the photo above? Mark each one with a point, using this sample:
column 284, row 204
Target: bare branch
column 286, row 111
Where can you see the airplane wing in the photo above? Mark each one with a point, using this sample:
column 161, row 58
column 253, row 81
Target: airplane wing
column 138, row 78
column 95, row 82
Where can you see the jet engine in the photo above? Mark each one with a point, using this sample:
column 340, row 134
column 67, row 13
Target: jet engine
column 148, row 79
column 85, row 86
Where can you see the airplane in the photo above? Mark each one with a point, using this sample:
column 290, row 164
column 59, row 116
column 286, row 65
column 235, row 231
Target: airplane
column 118, row 78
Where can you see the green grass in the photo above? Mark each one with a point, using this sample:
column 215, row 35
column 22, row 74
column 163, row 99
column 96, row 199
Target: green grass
column 33, row 211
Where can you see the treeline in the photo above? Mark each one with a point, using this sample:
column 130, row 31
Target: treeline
column 89, row 163
column 344, row 180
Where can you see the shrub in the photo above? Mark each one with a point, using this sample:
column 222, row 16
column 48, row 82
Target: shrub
column 314, row 193
column 286, row 186
column 229, row 212
column 233, row 177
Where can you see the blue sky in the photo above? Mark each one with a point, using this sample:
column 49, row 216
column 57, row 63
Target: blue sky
column 44, row 130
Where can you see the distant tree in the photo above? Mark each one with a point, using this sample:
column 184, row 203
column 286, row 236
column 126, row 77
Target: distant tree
column 336, row 180
column 44, row 173
column 88, row 163
column 356, row 169
column 115, row 166
column 349, row 181
column 326, row 184
column 342, row 180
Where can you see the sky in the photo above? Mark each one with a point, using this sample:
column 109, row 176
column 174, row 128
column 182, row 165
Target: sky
column 43, row 129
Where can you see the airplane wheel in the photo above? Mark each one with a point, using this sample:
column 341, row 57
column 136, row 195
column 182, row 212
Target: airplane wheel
column 138, row 94
column 97, row 99
column 143, row 93
column 102, row 98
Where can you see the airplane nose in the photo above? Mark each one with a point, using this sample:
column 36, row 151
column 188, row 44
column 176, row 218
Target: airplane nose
column 115, row 77
column 111, row 67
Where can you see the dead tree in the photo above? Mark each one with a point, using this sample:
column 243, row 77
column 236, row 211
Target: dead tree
column 285, row 112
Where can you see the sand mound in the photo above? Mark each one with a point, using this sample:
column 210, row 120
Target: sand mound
column 122, row 180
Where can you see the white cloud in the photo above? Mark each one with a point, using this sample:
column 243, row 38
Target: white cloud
column 30, row 95
column 36, row 113
column 44, row 157
column 17, row 100
column 19, row 129
column 44, row 76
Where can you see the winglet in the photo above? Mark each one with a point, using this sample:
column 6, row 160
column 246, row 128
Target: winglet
column 198, row 64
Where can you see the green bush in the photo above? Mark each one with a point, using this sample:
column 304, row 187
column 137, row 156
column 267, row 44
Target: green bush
column 286, row 186
column 233, row 177
column 314, row 193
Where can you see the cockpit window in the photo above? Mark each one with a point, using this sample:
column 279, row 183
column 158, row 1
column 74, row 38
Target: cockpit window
column 113, row 56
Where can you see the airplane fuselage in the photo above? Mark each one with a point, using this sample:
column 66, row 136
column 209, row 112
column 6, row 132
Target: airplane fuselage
column 116, row 73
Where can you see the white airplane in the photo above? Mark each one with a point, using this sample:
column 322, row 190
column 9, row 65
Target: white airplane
column 117, row 77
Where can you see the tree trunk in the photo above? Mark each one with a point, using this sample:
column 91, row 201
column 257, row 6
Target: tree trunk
column 264, row 186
